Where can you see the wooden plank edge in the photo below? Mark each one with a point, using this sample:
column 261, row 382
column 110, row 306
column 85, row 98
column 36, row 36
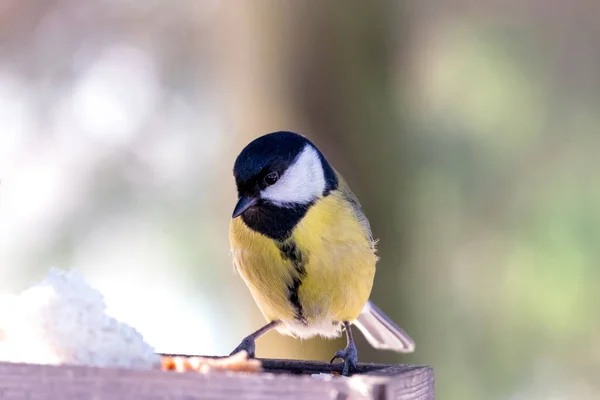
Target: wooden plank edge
column 278, row 366
column 21, row 381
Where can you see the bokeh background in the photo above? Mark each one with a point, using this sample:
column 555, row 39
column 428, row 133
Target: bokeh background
column 468, row 129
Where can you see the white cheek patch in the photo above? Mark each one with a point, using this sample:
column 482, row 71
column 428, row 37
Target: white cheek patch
column 301, row 183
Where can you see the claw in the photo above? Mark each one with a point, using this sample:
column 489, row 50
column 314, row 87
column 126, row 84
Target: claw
column 247, row 344
column 338, row 354
column 350, row 357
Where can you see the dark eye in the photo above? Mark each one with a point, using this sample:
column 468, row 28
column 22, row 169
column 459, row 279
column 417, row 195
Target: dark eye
column 271, row 178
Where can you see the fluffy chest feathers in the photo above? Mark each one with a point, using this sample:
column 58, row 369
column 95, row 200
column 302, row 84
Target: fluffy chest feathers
column 320, row 275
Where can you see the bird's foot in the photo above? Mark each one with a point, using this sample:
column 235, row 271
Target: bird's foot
column 350, row 357
column 249, row 345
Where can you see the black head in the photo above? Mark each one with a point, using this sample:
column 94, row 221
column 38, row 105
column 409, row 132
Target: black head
column 273, row 152
column 278, row 177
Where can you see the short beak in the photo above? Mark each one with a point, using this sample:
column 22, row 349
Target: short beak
column 242, row 205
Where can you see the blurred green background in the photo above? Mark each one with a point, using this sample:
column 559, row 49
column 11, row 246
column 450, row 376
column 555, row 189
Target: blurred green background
column 468, row 129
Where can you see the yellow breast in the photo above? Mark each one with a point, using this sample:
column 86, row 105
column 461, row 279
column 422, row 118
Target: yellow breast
column 321, row 275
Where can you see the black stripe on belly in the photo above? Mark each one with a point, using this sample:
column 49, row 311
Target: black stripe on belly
column 293, row 297
column 290, row 251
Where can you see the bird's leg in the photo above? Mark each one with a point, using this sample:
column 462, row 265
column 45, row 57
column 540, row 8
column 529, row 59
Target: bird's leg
column 349, row 354
column 249, row 344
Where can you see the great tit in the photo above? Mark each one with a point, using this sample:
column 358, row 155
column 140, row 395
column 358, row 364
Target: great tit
column 303, row 246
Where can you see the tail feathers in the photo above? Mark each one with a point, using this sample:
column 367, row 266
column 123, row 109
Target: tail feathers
column 381, row 332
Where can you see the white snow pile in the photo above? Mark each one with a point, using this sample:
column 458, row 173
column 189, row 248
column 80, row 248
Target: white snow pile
column 62, row 320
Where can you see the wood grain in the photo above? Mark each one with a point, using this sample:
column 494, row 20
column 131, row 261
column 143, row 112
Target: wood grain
column 285, row 379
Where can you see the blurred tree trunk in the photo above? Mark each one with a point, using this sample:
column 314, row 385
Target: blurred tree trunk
column 327, row 69
column 344, row 90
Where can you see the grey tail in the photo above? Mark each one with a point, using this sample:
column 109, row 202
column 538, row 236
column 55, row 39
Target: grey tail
column 381, row 332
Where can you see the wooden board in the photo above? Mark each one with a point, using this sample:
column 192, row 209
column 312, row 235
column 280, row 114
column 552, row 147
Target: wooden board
column 282, row 379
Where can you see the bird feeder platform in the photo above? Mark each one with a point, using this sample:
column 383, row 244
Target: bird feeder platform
column 278, row 379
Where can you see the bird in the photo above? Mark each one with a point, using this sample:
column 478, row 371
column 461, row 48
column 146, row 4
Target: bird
column 302, row 244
